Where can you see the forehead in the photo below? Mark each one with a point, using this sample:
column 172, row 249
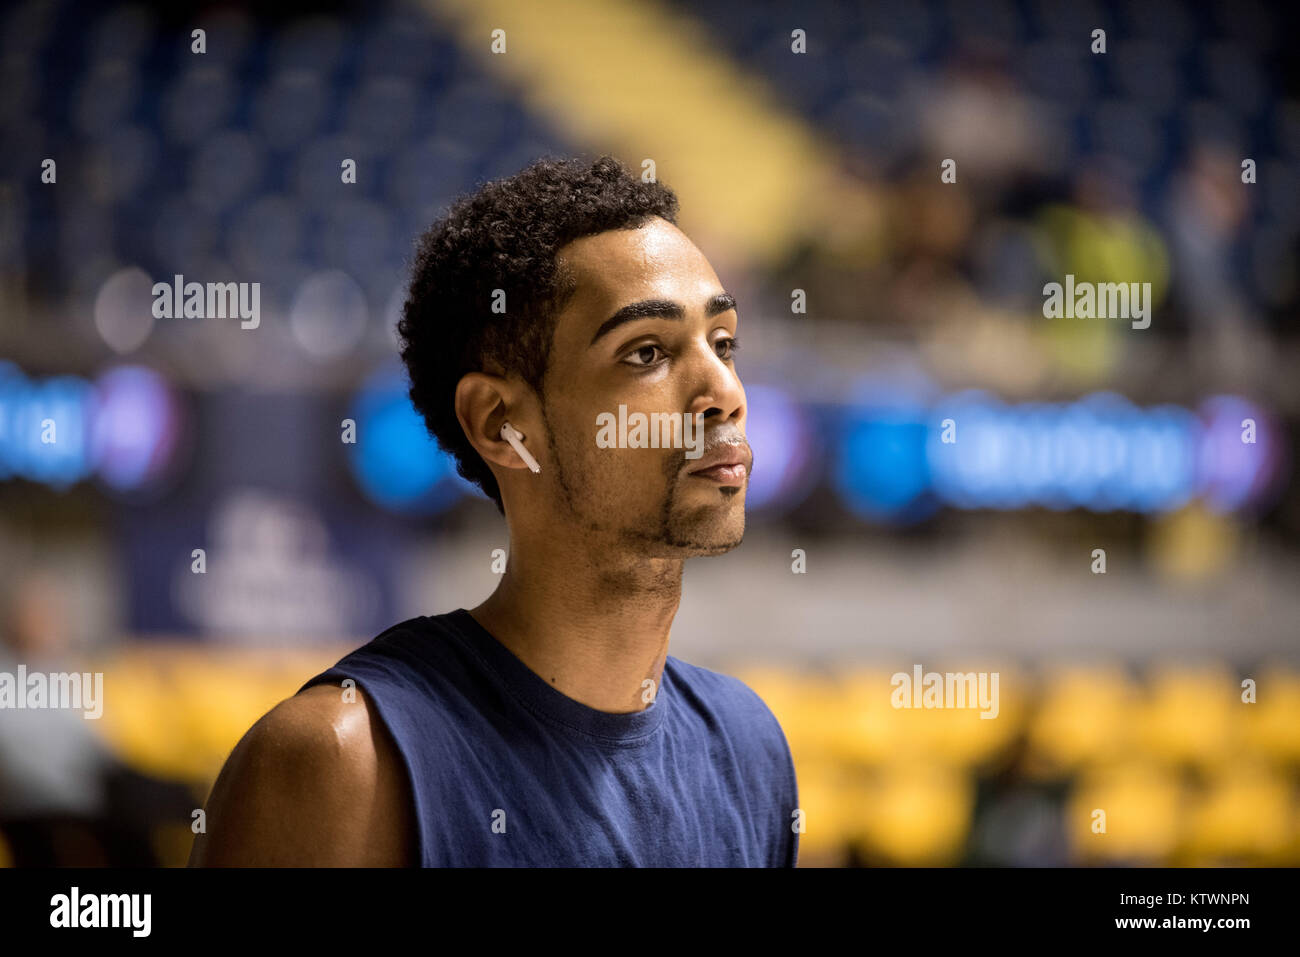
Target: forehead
column 614, row 268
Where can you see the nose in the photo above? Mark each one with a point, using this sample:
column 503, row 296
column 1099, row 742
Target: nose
column 719, row 393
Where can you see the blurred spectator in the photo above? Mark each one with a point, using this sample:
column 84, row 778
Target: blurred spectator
column 64, row 798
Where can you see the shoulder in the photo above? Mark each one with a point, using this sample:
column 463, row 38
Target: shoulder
column 740, row 709
column 316, row 781
column 419, row 654
column 759, row 746
column 323, row 722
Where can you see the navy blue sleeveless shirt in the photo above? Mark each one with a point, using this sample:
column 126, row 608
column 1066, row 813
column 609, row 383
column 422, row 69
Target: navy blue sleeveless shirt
column 506, row 771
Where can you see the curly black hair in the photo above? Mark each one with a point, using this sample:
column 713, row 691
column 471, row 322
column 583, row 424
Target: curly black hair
column 505, row 236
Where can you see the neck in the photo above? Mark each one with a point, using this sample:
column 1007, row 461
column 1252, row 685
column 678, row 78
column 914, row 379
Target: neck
column 589, row 618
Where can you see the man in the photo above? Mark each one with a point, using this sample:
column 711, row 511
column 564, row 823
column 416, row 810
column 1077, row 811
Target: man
column 547, row 726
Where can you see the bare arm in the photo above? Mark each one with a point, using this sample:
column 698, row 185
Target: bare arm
column 316, row 782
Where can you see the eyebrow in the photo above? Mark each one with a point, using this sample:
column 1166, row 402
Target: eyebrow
column 660, row 309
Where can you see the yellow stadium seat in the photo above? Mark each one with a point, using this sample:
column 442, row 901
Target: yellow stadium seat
column 1131, row 811
column 1190, row 715
column 1271, row 726
column 1082, row 717
column 1245, row 815
column 826, row 833
column 910, row 813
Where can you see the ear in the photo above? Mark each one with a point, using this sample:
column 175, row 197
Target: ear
column 483, row 403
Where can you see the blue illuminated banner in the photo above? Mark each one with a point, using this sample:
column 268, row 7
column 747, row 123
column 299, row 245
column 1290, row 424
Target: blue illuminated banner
column 123, row 427
column 1102, row 453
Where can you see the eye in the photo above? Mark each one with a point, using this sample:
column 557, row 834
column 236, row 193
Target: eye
column 732, row 344
column 641, row 352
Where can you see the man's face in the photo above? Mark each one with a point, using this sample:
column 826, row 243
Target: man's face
column 671, row 353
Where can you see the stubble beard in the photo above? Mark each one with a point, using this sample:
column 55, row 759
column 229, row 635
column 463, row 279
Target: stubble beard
column 673, row 533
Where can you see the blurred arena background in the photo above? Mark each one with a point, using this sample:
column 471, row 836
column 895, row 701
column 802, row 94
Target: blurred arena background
column 817, row 172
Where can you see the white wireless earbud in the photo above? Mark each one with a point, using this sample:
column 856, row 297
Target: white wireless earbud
column 511, row 435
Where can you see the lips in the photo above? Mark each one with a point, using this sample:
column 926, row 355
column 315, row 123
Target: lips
column 726, row 465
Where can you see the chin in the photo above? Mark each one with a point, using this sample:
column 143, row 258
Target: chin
column 709, row 530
